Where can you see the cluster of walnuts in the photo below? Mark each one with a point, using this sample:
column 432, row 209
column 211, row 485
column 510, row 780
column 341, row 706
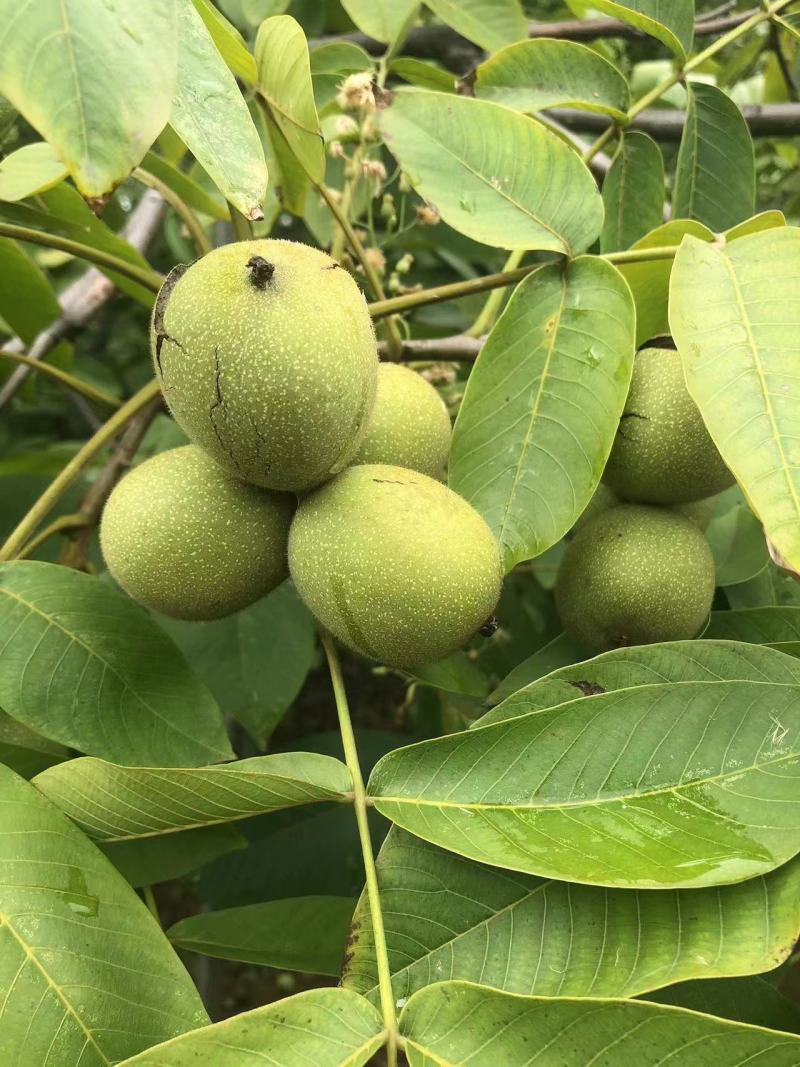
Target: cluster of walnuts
column 307, row 458
column 642, row 571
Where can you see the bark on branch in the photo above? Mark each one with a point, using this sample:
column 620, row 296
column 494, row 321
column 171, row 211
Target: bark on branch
column 459, row 55
column 764, row 120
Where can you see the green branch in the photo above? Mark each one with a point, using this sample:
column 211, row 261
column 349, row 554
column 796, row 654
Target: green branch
column 47, row 501
column 370, row 872
column 179, row 206
column 146, row 277
column 497, row 281
column 59, row 375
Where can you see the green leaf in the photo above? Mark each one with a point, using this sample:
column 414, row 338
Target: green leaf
column 450, row 918
column 444, row 1025
column 466, row 157
column 330, row 1027
column 533, row 75
column 85, row 972
column 649, row 282
column 550, row 384
column 633, row 192
column 85, row 666
column 299, row 934
column 776, row 626
column 737, row 541
column 492, row 24
column 739, row 357
column 27, row 301
column 384, row 20
column 63, row 211
column 150, row 860
column 229, row 42
column 95, row 80
column 669, row 21
column 186, row 187
column 675, row 785
column 24, row 751
column 715, row 179
column 30, row 170
column 425, row 75
column 753, row 1000
column 629, row 668
column 285, row 85
column 766, row 220
column 559, row 652
column 112, row 803
column 254, row 662
column 456, row 674
column 210, row 115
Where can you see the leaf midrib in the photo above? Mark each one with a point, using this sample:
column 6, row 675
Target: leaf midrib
column 611, row 798
column 5, row 920
column 127, row 687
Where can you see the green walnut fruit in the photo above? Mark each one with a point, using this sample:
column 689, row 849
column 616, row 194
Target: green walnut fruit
column 603, row 499
column 267, row 358
column 394, row 564
column 635, row 575
column 183, row 538
column 409, row 426
column 663, row 453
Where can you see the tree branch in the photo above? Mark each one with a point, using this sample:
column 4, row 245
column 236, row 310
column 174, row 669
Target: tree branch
column 458, row 54
column 764, row 120
column 457, row 349
column 84, row 298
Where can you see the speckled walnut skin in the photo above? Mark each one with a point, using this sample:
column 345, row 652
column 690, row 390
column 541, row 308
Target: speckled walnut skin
column 396, row 565
column 185, row 539
column 409, row 426
column 635, row 575
column 266, row 356
column 663, row 453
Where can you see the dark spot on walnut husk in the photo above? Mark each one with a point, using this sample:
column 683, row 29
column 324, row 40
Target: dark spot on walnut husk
column 261, row 272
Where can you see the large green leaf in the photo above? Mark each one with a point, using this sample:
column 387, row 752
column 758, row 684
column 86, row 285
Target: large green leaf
column 329, row 1027
column 254, row 662
column 675, row 785
column 715, row 179
column 85, row 666
column 27, row 301
column 739, row 357
column 195, row 195
column 737, row 542
column 150, row 860
column 30, row 170
column 298, row 934
column 96, row 80
column 776, row 626
column 385, row 20
column 285, row 85
column 448, row 917
column 112, row 803
column 669, row 21
column 753, row 1000
column 229, row 41
column 62, row 210
column 560, row 651
column 489, row 23
column 86, row 976
column 24, row 751
column 628, row 668
column 495, row 175
column 210, row 115
column 649, row 282
column 533, row 75
column 543, row 404
column 633, row 192
column 456, row 1023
